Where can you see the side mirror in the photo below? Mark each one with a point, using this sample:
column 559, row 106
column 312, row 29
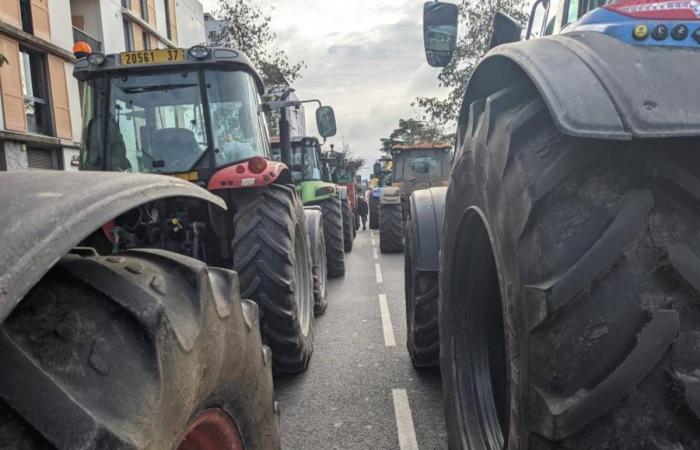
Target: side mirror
column 439, row 32
column 325, row 121
column 505, row 30
column 377, row 169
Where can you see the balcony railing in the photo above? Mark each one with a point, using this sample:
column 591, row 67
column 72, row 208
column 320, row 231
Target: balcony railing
column 80, row 35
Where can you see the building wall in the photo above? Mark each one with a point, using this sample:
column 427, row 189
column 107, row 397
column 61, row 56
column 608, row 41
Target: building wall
column 190, row 29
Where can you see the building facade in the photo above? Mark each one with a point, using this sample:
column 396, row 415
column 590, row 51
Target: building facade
column 40, row 121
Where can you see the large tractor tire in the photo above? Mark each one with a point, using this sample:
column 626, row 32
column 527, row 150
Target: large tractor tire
column 421, row 290
column 314, row 222
column 143, row 350
column 373, row 213
column 348, row 226
column 272, row 256
column 333, row 232
column 569, row 283
column 390, row 228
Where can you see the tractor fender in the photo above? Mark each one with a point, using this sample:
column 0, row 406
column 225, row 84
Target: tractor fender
column 237, row 176
column 389, row 195
column 597, row 86
column 47, row 213
column 427, row 209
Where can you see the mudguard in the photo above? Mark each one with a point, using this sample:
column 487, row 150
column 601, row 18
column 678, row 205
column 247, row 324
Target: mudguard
column 47, row 213
column 597, row 86
column 427, row 210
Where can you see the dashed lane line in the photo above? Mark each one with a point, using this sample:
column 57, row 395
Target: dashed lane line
column 404, row 420
column 378, row 273
column 374, row 252
column 389, row 340
column 374, row 243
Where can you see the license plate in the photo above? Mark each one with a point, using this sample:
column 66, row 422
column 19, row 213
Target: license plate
column 159, row 56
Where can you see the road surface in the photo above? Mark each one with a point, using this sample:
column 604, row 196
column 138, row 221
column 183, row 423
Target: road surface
column 360, row 390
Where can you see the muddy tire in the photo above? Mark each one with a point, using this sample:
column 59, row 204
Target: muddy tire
column 333, row 232
column 272, row 256
column 569, row 287
column 131, row 351
column 421, row 289
column 390, row 228
column 314, row 222
column 373, row 213
column 348, row 226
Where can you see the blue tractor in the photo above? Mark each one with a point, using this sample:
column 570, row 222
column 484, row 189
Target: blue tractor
column 560, row 268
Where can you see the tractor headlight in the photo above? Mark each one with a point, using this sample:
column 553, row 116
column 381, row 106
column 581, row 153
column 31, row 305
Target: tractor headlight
column 199, row 52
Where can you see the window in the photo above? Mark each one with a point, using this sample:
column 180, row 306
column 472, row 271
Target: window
column 126, row 4
column 128, row 36
column 41, row 158
column 144, row 9
column 146, row 40
column 35, row 91
column 25, row 8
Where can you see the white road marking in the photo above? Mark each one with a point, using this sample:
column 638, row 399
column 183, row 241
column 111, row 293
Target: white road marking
column 378, row 273
column 373, row 242
column 374, row 252
column 389, row 340
column 404, row 421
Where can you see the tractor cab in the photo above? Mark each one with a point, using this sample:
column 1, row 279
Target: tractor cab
column 420, row 166
column 171, row 111
column 305, row 162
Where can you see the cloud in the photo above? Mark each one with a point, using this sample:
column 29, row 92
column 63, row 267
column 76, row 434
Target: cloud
column 365, row 58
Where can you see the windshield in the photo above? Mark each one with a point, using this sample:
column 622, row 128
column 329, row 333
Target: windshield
column 305, row 164
column 156, row 122
column 421, row 165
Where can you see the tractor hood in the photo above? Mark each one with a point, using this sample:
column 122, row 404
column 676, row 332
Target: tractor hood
column 47, row 213
column 314, row 191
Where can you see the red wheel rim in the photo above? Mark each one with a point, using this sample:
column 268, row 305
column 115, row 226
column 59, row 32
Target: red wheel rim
column 212, row 430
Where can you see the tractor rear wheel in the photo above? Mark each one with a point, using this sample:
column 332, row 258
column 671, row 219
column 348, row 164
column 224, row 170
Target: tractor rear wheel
column 272, row 256
column 333, row 232
column 314, row 221
column 135, row 351
column 348, row 226
column 421, row 291
column 373, row 213
column 390, row 228
column 569, row 283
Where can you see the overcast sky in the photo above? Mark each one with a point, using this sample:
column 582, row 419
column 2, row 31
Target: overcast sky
column 365, row 58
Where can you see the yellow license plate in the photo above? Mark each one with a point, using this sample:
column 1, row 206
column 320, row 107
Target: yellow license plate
column 159, row 56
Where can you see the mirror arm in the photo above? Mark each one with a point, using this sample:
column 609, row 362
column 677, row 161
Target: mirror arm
column 532, row 18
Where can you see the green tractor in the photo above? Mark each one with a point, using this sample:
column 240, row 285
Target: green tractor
column 342, row 176
column 307, row 173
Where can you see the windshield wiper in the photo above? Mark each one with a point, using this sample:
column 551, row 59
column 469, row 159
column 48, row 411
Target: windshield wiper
column 161, row 87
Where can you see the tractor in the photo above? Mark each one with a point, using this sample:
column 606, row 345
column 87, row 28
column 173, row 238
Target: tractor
column 307, row 173
column 565, row 284
column 381, row 177
column 415, row 167
column 339, row 174
column 196, row 114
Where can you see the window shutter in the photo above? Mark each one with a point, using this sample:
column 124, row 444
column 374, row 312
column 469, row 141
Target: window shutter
column 39, row 158
column 11, row 87
column 152, row 13
column 138, row 37
column 59, row 98
column 9, row 12
column 173, row 22
column 40, row 19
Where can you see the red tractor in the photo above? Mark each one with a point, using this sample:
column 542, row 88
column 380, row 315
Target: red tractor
column 197, row 115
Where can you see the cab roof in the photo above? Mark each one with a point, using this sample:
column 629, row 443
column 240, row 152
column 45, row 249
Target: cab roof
column 422, row 146
column 218, row 57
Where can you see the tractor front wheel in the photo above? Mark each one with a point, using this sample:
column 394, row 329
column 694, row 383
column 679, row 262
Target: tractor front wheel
column 390, row 228
column 373, row 213
column 333, row 233
column 348, row 226
column 272, row 256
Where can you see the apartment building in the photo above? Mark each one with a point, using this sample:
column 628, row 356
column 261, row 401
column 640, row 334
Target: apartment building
column 40, row 121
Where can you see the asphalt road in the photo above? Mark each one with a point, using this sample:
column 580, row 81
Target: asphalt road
column 360, row 390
